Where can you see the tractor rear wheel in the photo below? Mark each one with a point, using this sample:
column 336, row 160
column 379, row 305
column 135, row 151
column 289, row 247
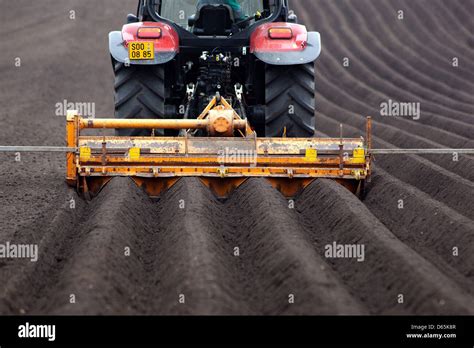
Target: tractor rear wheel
column 139, row 93
column 289, row 100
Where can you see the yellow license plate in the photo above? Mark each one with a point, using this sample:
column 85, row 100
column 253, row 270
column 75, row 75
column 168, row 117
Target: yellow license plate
column 139, row 50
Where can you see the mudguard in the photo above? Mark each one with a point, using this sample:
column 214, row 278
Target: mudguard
column 166, row 48
column 304, row 47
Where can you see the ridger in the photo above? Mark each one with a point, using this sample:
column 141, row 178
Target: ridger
column 37, row 331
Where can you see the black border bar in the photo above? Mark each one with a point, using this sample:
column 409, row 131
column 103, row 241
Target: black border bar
column 221, row 330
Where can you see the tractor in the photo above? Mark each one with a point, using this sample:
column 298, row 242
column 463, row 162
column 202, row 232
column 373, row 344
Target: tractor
column 221, row 90
column 174, row 56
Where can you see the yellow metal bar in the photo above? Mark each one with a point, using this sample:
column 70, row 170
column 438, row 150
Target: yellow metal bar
column 369, row 147
column 152, row 123
column 368, row 134
column 208, row 108
column 225, row 147
column 281, row 161
column 72, row 135
column 178, row 171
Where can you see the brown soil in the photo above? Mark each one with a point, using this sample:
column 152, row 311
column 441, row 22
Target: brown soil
column 189, row 250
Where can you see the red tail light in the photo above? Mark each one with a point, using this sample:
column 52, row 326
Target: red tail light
column 149, row 33
column 163, row 36
column 280, row 33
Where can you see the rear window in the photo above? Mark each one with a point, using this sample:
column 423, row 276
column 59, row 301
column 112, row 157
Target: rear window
column 179, row 11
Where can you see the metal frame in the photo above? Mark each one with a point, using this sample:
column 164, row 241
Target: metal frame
column 427, row 151
column 221, row 163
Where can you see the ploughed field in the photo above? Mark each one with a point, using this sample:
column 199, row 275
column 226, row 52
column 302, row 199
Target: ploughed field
column 123, row 253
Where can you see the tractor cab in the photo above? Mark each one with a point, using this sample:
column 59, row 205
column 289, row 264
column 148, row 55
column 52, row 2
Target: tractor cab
column 212, row 17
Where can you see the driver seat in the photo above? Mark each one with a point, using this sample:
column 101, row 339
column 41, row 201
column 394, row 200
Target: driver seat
column 212, row 20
